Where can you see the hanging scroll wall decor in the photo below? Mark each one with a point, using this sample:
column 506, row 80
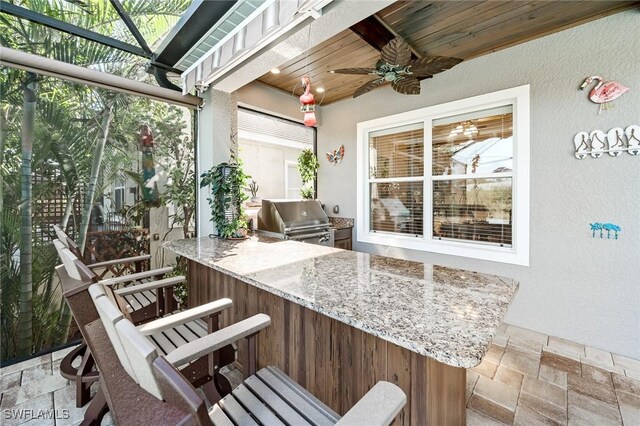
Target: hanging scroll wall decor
column 614, row 142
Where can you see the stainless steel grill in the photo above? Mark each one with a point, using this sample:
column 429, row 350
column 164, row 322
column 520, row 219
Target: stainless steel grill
column 300, row 220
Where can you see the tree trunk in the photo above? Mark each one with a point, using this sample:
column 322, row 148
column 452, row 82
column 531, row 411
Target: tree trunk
column 25, row 319
column 107, row 115
column 3, row 138
column 67, row 212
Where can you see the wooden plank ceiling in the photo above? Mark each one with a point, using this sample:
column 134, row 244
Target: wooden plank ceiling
column 462, row 29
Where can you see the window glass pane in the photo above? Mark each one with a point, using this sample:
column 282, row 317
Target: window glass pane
column 397, row 152
column 480, row 142
column 397, row 207
column 269, row 148
column 473, row 210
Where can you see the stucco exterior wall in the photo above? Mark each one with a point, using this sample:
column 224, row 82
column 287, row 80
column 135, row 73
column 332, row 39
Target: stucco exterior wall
column 576, row 287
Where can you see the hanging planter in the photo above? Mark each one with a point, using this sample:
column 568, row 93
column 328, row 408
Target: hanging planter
column 227, row 182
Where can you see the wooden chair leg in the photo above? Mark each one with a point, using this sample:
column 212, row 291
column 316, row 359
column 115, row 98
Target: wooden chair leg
column 83, row 382
column 250, row 359
column 222, row 384
column 169, row 302
column 211, row 392
column 83, row 376
column 96, row 410
column 213, row 325
column 160, row 305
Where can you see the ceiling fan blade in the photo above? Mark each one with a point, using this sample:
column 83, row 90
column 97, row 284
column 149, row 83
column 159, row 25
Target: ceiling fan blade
column 396, row 52
column 406, row 85
column 368, row 87
column 430, row 65
column 354, row 71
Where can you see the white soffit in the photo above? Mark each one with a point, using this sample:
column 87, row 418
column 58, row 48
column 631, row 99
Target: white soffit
column 260, row 23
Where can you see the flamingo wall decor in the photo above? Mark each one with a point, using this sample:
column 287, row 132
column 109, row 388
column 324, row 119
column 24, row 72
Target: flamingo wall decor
column 604, row 92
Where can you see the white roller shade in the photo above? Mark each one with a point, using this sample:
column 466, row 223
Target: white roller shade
column 64, row 71
column 273, row 19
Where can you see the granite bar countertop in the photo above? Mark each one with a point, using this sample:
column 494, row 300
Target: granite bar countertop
column 447, row 314
column 341, row 222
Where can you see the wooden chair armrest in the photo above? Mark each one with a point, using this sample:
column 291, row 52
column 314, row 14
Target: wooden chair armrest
column 152, row 285
column 217, row 340
column 162, row 324
column 378, row 407
column 133, row 259
column 136, row 276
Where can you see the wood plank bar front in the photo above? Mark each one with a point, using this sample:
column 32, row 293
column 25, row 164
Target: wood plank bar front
column 335, row 361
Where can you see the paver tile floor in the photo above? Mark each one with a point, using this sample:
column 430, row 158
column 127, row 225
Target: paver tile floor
column 526, row 378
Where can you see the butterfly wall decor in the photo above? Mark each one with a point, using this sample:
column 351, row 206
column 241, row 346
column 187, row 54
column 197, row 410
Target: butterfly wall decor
column 336, row 156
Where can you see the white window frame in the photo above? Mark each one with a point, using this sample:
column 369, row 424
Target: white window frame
column 518, row 253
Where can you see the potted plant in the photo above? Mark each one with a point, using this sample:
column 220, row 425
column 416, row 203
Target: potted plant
column 227, row 195
column 253, row 188
column 308, row 167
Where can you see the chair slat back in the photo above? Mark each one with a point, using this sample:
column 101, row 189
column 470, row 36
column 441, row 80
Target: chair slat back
column 141, row 353
column 110, row 315
column 67, row 241
column 76, row 269
column 62, row 236
column 68, row 259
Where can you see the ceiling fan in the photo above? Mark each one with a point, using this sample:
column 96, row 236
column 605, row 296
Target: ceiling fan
column 396, row 66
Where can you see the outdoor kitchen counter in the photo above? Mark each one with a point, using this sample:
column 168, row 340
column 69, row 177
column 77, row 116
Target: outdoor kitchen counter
column 446, row 314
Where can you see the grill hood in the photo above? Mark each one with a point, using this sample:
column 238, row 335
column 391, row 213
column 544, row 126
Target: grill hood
column 290, row 216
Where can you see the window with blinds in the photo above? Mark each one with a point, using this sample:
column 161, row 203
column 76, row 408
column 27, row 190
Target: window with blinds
column 472, row 166
column 396, row 179
column 455, row 180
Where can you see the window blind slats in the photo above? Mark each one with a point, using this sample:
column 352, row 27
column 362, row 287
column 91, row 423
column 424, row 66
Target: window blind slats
column 397, row 155
column 481, row 145
column 397, row 207
column 473, row 210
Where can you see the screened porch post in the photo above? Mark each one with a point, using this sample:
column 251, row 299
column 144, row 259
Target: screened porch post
column 217, row 130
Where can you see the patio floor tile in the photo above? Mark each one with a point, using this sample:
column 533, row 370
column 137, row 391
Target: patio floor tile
column 547, row 409
column 553, row 375
column 525, row 416
column 9, row 381
column 509, row 377
column 545, row 391
column 586, row 411
column 629, row 408
column 25, row 364
column 626, row 363
column 531, row 383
